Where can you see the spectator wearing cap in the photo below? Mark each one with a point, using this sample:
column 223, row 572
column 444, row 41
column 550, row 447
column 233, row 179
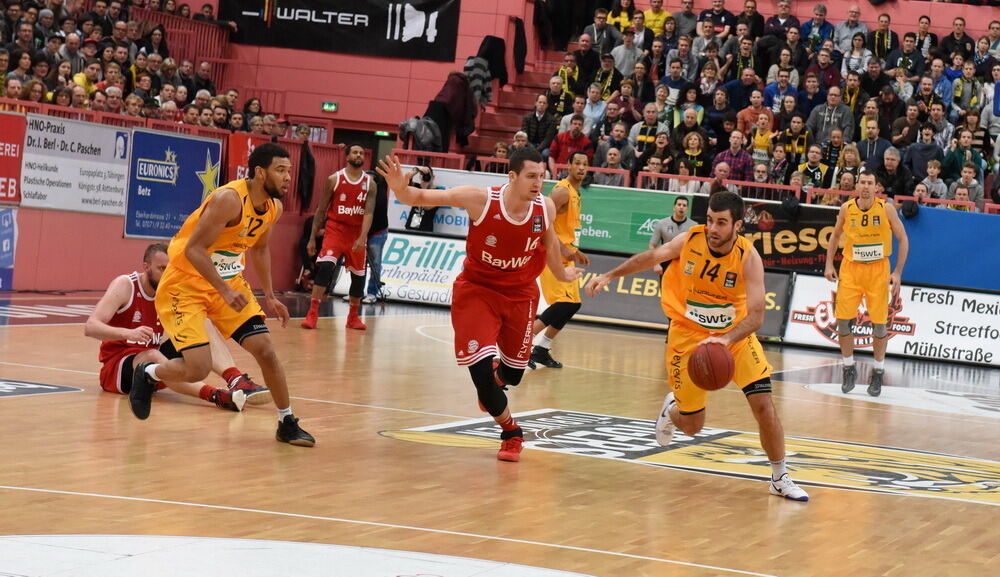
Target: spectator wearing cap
column 280, row 128
column 46, row 24
column 51, row 49
column 627, row 54
column 605, row 37
column 151, row 108
column 608, row 77
column 89, row 48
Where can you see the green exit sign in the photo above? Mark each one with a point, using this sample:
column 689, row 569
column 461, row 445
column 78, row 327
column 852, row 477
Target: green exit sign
column 331, row 106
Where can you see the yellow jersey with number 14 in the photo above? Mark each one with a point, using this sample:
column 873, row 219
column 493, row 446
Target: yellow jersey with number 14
column 867, row 233
column 228, row 249
column 704, row 291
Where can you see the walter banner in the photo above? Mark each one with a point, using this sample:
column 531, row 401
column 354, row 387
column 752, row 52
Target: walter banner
column 411, row 29
column 12, row 127
column 170, row 174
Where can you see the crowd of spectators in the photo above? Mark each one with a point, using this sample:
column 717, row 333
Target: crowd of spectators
column 769, row 99
column 55, row 52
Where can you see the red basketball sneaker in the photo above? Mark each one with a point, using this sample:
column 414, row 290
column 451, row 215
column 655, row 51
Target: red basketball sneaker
column 510, row 449
column 311, row 317
column 354, row 321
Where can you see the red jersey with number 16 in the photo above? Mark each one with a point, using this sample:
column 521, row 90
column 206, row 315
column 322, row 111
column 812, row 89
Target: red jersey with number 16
column 347, row 206
column 503, row 254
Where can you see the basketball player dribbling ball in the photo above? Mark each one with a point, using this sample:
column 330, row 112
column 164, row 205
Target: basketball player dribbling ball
column 867, row 224
column 345, row 214
column 714, row 293
column 563, row 297
column 126, row 323
column 494, row 299
column 205, row 280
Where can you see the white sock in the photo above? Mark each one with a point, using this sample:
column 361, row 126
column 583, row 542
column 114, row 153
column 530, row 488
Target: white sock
column 543, row 341
column 151, row 371
column 282, row 413
column 849, row 361
column 777, row 469
column 880, row 365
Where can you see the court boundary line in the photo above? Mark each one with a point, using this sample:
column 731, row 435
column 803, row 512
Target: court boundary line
column 384, row 525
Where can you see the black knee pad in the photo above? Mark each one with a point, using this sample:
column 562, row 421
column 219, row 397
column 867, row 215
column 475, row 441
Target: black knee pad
column 490, row 395
column 324, row 272
column 357, row 285
column 558, row 314
column 510, row 376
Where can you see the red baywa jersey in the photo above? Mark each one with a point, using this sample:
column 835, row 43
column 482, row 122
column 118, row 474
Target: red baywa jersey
column 347, row 205
column 503, row 254
column 139, row 311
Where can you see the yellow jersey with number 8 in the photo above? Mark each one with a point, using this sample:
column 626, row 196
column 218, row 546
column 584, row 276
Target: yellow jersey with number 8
column 867, row 233
column 228, row 249
column 704, row 291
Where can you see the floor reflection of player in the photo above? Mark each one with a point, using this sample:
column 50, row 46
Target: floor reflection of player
column 495, row 297
column 714, row 293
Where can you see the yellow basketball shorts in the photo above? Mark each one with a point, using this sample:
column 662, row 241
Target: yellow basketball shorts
column 184, row 301
column 750, row 363
column 556, row 291
column 863, row 279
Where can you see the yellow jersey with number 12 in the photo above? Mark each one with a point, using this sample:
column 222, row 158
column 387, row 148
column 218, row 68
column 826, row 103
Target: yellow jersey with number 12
column 867, row 233
column 704, row 291
column 228, row 249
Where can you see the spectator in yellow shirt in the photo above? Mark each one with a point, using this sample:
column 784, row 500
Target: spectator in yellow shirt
column 655, row 16
column 89, row 77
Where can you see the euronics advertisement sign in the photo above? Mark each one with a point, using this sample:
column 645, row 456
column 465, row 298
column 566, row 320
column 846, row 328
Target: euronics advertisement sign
column 170, row 175
column 929, row 323
column 74, row 165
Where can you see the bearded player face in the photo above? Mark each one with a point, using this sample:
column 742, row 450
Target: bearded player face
column 356, row 156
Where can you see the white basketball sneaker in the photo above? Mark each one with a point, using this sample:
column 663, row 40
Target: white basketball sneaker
column 664, row 426
column 785, row 487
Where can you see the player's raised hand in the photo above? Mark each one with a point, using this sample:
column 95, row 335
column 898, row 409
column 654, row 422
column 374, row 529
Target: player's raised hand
column 596, row 284
column 392, row 171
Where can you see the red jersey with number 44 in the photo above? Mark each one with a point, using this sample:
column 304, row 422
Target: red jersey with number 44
column 347, row 205
column 503, row 254
column 139, row 311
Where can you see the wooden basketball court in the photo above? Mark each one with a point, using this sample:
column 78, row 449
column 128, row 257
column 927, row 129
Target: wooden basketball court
column 908, row 485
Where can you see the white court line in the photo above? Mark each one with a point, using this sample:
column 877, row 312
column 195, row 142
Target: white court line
column 384, row 408
column 49, row 368
column 388, row 526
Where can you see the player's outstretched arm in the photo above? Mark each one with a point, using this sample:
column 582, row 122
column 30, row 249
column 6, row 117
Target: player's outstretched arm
column 117, row 296
column 471, row 198
column 639, row 262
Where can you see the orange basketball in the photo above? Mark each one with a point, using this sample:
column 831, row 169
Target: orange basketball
column 711, row 366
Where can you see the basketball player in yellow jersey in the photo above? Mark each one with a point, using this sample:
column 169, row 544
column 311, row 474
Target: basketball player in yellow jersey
column 204, row 280
column 563, row 297
column 714, row 293
column 867, row 225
